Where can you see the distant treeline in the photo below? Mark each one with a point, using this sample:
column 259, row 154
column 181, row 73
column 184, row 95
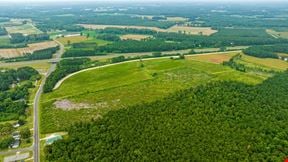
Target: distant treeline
column 20, row 38
column 163, row 41
column 266, row 51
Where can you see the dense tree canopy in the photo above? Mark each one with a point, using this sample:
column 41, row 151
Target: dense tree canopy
column 14, row 93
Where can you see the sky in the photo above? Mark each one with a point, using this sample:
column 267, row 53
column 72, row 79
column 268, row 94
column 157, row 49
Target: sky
column 27, row 1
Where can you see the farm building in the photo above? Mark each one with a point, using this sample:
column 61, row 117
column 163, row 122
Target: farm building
column 53, row 138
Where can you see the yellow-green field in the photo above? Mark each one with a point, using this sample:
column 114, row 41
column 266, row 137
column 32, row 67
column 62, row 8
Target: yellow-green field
column 213, row 58
column 90, row 94
column 73, row 39
column 134, row 37
column 268, row 63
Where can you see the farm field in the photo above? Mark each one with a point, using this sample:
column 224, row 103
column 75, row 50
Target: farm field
column 268, row 63
column 174, row 29
column 107, row 89
column 277, row 34
column 25, row 29
column 134, row 37
column 16, row 52
column 213, row 58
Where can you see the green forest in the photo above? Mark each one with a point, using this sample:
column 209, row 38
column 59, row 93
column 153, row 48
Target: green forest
column 216, row 122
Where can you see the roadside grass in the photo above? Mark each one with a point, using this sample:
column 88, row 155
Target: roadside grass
column 129, row 84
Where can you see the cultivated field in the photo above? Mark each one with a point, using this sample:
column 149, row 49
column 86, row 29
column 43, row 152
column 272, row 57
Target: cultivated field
column 93, row 93
column 175, row 29
column 134, row 37
column 25, row 29
column 10, row 53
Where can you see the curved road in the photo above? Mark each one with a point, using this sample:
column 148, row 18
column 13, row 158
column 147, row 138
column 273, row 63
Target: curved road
column 36, row 143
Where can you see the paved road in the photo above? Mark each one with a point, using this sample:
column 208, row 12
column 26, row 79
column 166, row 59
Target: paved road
column 36, row 141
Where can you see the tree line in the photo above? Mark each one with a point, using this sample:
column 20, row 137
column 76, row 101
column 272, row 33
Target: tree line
column 266, row 51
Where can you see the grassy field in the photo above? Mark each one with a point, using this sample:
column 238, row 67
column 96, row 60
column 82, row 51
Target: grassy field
column 277, row 34
column 175, row 29
column 25, row 29
column 90, row 94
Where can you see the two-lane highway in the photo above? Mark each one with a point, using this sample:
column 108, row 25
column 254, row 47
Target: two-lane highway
column 36, row 141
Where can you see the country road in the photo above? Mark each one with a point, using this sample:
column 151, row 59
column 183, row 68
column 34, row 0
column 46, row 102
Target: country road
column 36, row 143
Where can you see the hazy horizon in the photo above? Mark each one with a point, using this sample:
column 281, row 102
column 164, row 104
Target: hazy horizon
column 146, row 1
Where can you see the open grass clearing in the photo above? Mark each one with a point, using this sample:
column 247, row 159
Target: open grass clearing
column 128, row 84
column 173, row 29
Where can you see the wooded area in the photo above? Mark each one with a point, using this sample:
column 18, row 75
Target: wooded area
column 220, row 121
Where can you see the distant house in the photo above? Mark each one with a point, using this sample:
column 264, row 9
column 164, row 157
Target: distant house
column 15, row 144
column 53, row 138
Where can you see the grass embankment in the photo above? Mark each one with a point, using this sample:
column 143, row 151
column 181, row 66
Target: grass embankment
column 90, row 94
